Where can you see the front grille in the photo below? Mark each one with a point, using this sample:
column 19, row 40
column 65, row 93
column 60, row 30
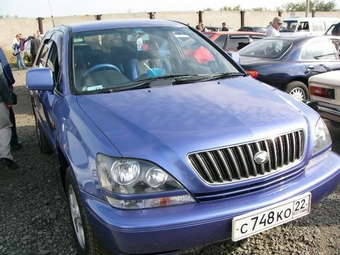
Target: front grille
column 237, row 163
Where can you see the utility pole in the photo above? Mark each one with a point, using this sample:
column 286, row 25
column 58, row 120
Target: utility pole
column 307, row 7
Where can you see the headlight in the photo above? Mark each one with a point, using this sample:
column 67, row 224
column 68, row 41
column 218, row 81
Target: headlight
column 322, row 138
column 147, row 184
column 125, row 172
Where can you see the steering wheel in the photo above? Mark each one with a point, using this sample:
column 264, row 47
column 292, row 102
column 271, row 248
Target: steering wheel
column 97, row 68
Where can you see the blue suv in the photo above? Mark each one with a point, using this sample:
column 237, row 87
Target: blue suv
column 166, row 144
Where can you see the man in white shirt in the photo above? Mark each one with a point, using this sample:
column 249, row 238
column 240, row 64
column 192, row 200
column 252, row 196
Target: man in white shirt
column 273, row 29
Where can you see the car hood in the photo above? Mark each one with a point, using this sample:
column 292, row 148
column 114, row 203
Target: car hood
column 156, row 122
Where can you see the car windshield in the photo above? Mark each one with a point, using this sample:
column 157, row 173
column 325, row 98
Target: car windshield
column 272, row 49
column 289, row 26
column 120, row 59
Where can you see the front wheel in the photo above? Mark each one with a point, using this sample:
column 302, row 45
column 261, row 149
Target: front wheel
column 87, row 242
column 298, row 90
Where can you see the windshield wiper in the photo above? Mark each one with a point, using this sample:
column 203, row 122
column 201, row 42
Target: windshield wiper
column 212, row 77
column 173, row 79
column 160, row 81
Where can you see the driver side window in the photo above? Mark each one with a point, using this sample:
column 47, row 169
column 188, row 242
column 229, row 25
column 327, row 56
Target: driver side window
column 53, row 63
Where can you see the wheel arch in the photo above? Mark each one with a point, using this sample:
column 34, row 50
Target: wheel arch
column 63, row 165
column 300, row 79
column 293, row 85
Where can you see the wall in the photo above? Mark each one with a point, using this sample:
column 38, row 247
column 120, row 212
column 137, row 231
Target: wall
column 28, row 26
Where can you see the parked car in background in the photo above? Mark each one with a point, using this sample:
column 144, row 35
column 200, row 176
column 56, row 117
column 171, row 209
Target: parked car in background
column 213, row 28
column 233, row 40
column 158, row 152
column 253, row 29
column 286, row 62
column 307, row 25
column 325, row 90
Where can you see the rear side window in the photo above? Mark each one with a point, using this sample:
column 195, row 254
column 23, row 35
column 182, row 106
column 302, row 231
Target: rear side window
column 237, row 42
column 318, row 25
column 320, row 50
column 220, row 41
column 43, row 55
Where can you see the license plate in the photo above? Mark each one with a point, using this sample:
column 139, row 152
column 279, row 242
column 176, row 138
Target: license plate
column 265, row 218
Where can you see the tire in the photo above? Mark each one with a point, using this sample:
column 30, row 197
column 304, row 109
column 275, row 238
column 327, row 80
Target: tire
column 298, row 90
column 44, row 145
column 87, row 242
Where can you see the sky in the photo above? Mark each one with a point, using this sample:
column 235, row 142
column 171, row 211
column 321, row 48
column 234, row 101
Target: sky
column 48, row 8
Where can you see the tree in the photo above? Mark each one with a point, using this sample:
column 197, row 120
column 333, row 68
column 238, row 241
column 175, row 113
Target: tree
column 317, row 5
column 261, row 9
column 228, row 8
column 7, row 16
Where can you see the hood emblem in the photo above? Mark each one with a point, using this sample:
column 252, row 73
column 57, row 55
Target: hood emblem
column 261, row 157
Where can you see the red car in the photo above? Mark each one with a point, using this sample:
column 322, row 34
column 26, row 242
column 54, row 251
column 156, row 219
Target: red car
column 233, row 40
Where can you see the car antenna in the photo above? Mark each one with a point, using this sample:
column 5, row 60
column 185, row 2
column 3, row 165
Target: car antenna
column 51, row 12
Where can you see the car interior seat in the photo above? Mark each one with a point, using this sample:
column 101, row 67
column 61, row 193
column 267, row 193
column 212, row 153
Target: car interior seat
column 83, row 60
column 125, row 59
column 271, row 51
column 150, row 58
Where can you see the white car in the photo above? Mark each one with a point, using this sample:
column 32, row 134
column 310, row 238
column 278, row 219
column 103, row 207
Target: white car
column 325, row 90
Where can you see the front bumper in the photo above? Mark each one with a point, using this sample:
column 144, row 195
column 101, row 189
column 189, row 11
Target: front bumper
column 181, row 227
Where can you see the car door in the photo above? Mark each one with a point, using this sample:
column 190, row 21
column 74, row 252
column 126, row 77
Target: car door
column 44, row 101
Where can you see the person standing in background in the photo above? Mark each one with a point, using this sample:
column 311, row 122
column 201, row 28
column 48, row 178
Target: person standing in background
column 224, row 27
column 6, row 158
column 28, row 50
column 35, row 43
column 7, row 71
column 19, row 47
column 200, row 27
column 38, row 35
column 274, row 28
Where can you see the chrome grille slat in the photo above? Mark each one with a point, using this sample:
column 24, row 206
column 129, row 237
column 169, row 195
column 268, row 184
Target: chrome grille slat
column 280, row 148
column 243, row 162
column 266, row 148
column 293, row 145
column 252, row 164
column 204, row 167
column 273, row 155
column 214, row 165
column 287, row 145
column 234, row 166
column 237, row 163
column 300, row 144
column 228, row 170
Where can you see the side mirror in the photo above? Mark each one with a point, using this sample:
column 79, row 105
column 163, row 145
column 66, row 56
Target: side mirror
column 40, row 79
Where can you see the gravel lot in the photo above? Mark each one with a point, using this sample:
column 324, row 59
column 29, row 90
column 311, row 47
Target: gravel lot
column 34, row 217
